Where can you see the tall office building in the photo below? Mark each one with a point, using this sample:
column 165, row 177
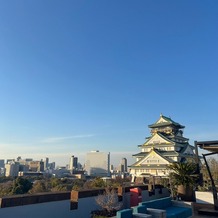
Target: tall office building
column 51, row 165
column 36, row 166
column 2, row 163
column 11, row 169
column 98, row 163
column 124, row 165
column 2, row 167
column 45, row 160
column 73, row 163
column 111, row 168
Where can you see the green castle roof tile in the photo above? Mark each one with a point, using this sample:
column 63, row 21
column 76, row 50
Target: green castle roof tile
column 169, row 121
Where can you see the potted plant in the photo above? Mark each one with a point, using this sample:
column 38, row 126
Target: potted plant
column 183, row 176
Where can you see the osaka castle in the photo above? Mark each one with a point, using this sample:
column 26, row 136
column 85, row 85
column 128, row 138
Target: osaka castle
column 166, row 145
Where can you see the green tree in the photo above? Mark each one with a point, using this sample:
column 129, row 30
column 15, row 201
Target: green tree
column 98, row 183
column 21, row 186
column 55, row 182
column 6, row 188
column 38, row 186
column 77, row 184
column 4, row 179
column 119, row 181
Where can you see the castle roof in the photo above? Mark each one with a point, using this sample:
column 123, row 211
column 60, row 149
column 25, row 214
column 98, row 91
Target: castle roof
column 165, row 121
column 153, row 152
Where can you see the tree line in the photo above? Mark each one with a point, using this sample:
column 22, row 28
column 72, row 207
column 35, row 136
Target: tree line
column 28, row 185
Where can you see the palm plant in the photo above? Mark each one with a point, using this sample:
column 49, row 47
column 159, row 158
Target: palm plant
column 183, row 173
column 183, row 177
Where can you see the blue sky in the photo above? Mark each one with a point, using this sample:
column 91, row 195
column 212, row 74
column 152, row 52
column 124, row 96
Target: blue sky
column 81, row 75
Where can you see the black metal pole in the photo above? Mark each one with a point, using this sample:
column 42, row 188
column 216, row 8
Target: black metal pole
column 197, row 158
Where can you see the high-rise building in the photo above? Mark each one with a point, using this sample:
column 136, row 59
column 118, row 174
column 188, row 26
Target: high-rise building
column 2, row 167
column 124, row 165
column 36, row 166
column 51, row 165
column 2, row 163
column 111, row 168
column 73, row 163
column 23, row 167
column 11, row 169
column 97, row 163
column 46, row 161
column 2, row 171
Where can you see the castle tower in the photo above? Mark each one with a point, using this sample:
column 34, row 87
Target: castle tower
column 164, row 146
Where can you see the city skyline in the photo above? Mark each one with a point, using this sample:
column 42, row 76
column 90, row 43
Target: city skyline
column 81, row 76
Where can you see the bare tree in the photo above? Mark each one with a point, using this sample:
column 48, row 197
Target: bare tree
column 109, row 200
